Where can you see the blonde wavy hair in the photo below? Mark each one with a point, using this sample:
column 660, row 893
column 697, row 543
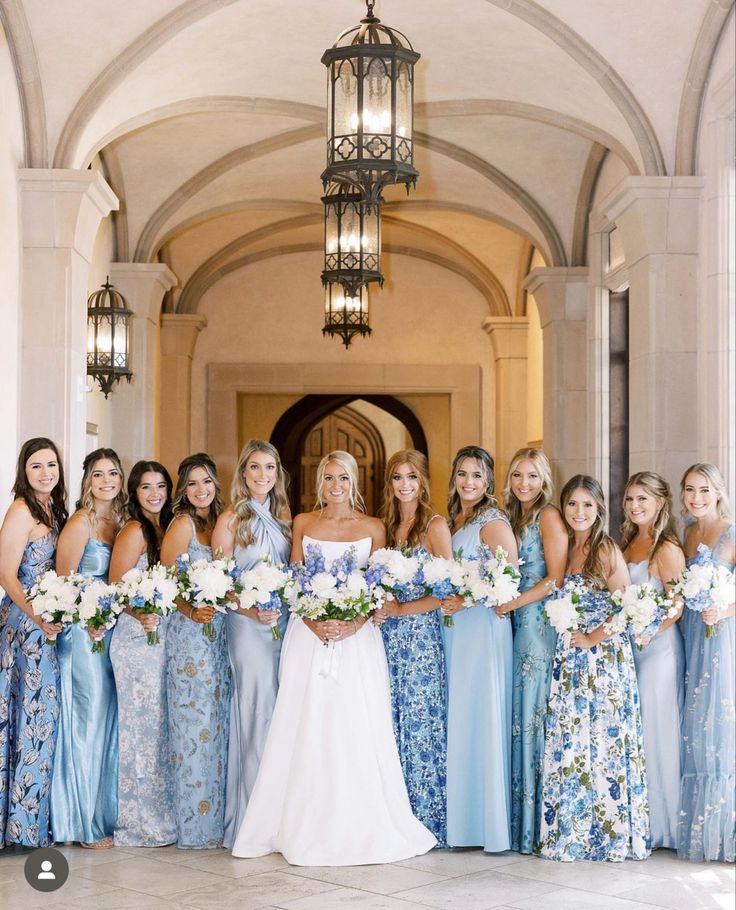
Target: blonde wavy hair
column 485, row 460
column 518, row 519
column 86, row 499
column 663, row 528
column 390, row 509
column 241, row 497
column 715, row 479
column 350, row 466
column 599, row 541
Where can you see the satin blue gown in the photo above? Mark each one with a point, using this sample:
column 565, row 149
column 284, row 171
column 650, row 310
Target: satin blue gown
column 29, row 711
column 479, row 657
column 416, row 668
column 84, row 791
column 534, row 649
column 707, row 798
column 145, row 776
column 198, row 691
column 660, row 673
column 254, row 660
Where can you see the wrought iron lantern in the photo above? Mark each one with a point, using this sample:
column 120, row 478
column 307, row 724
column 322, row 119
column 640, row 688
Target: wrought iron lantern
column 370, row 108
column 352, row 240
column 346, row 315
column 107, row 337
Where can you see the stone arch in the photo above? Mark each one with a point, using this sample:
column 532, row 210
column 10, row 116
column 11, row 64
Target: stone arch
column 593, row 165
column 28, row 80
column 693, row 91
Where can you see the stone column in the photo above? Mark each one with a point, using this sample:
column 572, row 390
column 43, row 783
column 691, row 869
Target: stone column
column 658, row 221
column 179, row 333
column 561, row 296
column 61, row 211
column 508, row 336
column 136, row 406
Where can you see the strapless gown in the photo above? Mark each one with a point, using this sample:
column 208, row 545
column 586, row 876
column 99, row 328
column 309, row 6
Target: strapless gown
column 330, row 791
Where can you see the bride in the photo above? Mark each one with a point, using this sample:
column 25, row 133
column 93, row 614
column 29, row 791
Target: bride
column 330, row 790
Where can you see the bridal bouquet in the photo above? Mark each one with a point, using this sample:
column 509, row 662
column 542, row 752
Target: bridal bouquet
column 490, row 578
column 330, row 590
column 208, row 583
column 706, row 585
column 641, row 611
column 563, row 609
column 55, row 598
column 153, row 591
column 267, row 587
column 99, row 608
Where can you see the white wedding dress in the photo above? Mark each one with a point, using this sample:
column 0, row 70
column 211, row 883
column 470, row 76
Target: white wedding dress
column 330, row 790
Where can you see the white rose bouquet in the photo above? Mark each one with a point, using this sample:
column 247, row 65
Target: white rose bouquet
column 267, row 587
column 641, row 611
column 391, row 573
column 208, row 583
column 152, row 591
column 99, row 608
column 704, row 585
column 563, row 609
column 490, row 579
column 55, row 598
column 443, row 578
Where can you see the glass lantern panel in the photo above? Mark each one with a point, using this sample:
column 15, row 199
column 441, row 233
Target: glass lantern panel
column 104, row 334
column 121, row 335
column 91, row 332
column 345, row 88
column 377, row 107
column 403, row 102
column 350, row 229
column 331, row 229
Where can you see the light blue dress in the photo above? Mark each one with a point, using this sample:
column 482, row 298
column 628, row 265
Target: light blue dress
column 198, row 691
column 534, row 649
column 479, row 656
column 84, row 792
column 707, row 798
column 416, row 668
column 593, row 776
column 145, row 776
column 29, row 710
column 254, row 659
column 660, row 673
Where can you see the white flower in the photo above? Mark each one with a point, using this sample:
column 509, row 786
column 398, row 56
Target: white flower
column 323, row 585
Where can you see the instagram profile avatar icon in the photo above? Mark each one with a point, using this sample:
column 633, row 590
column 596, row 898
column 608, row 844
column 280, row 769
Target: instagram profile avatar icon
column 46, row 869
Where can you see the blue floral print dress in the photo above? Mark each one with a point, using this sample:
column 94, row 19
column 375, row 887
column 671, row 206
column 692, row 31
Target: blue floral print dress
column 594, row 788
column 29, row 711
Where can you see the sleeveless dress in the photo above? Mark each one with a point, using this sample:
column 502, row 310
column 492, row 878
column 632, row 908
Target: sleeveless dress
column 707, row 799
column 198, row 691
column 29, row 710
column 416, row 667
column 84, row 797
column 329, row 790
column 479, row 655
column 593, row 778
column 145, row 777
column 534, row 649
column 660, row 674
column 254, row 659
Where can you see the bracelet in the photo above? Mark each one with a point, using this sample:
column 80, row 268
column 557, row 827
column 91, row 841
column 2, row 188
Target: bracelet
column 191, row 611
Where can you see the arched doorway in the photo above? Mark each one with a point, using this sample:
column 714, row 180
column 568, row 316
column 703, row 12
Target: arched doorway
column 299, row 446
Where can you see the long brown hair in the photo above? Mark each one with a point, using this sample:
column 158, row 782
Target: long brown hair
column 181, row 504
column 240, row 495
column 86, row 500
column 518, row 519
column 23, row 490
column 135, row 509
column 390, row 508
column 485, row 460
column 663, row 528
column 598, row 543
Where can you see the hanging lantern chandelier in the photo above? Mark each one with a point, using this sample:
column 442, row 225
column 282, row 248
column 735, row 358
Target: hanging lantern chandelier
column 370, row 108
column 107, row 337
column 352, row 240
column 346, row 315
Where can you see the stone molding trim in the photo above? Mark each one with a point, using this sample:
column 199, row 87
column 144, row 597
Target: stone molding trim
column 588, row 183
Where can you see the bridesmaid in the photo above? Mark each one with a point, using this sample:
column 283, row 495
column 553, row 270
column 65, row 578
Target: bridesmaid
column 707, row 799
column 257, row 524
column 593, row 778
column 29, row 675
column 84, row 799
column 412, row 636
column 145, row 779
column 479, row 654
column 653, row 554
column 542, row 538
column 197, row 669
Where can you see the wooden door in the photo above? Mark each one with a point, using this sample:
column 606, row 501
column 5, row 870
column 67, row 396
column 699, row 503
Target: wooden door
column 348, row 430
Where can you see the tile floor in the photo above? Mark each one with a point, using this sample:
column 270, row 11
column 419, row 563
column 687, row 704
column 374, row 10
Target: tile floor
column 171, row 879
